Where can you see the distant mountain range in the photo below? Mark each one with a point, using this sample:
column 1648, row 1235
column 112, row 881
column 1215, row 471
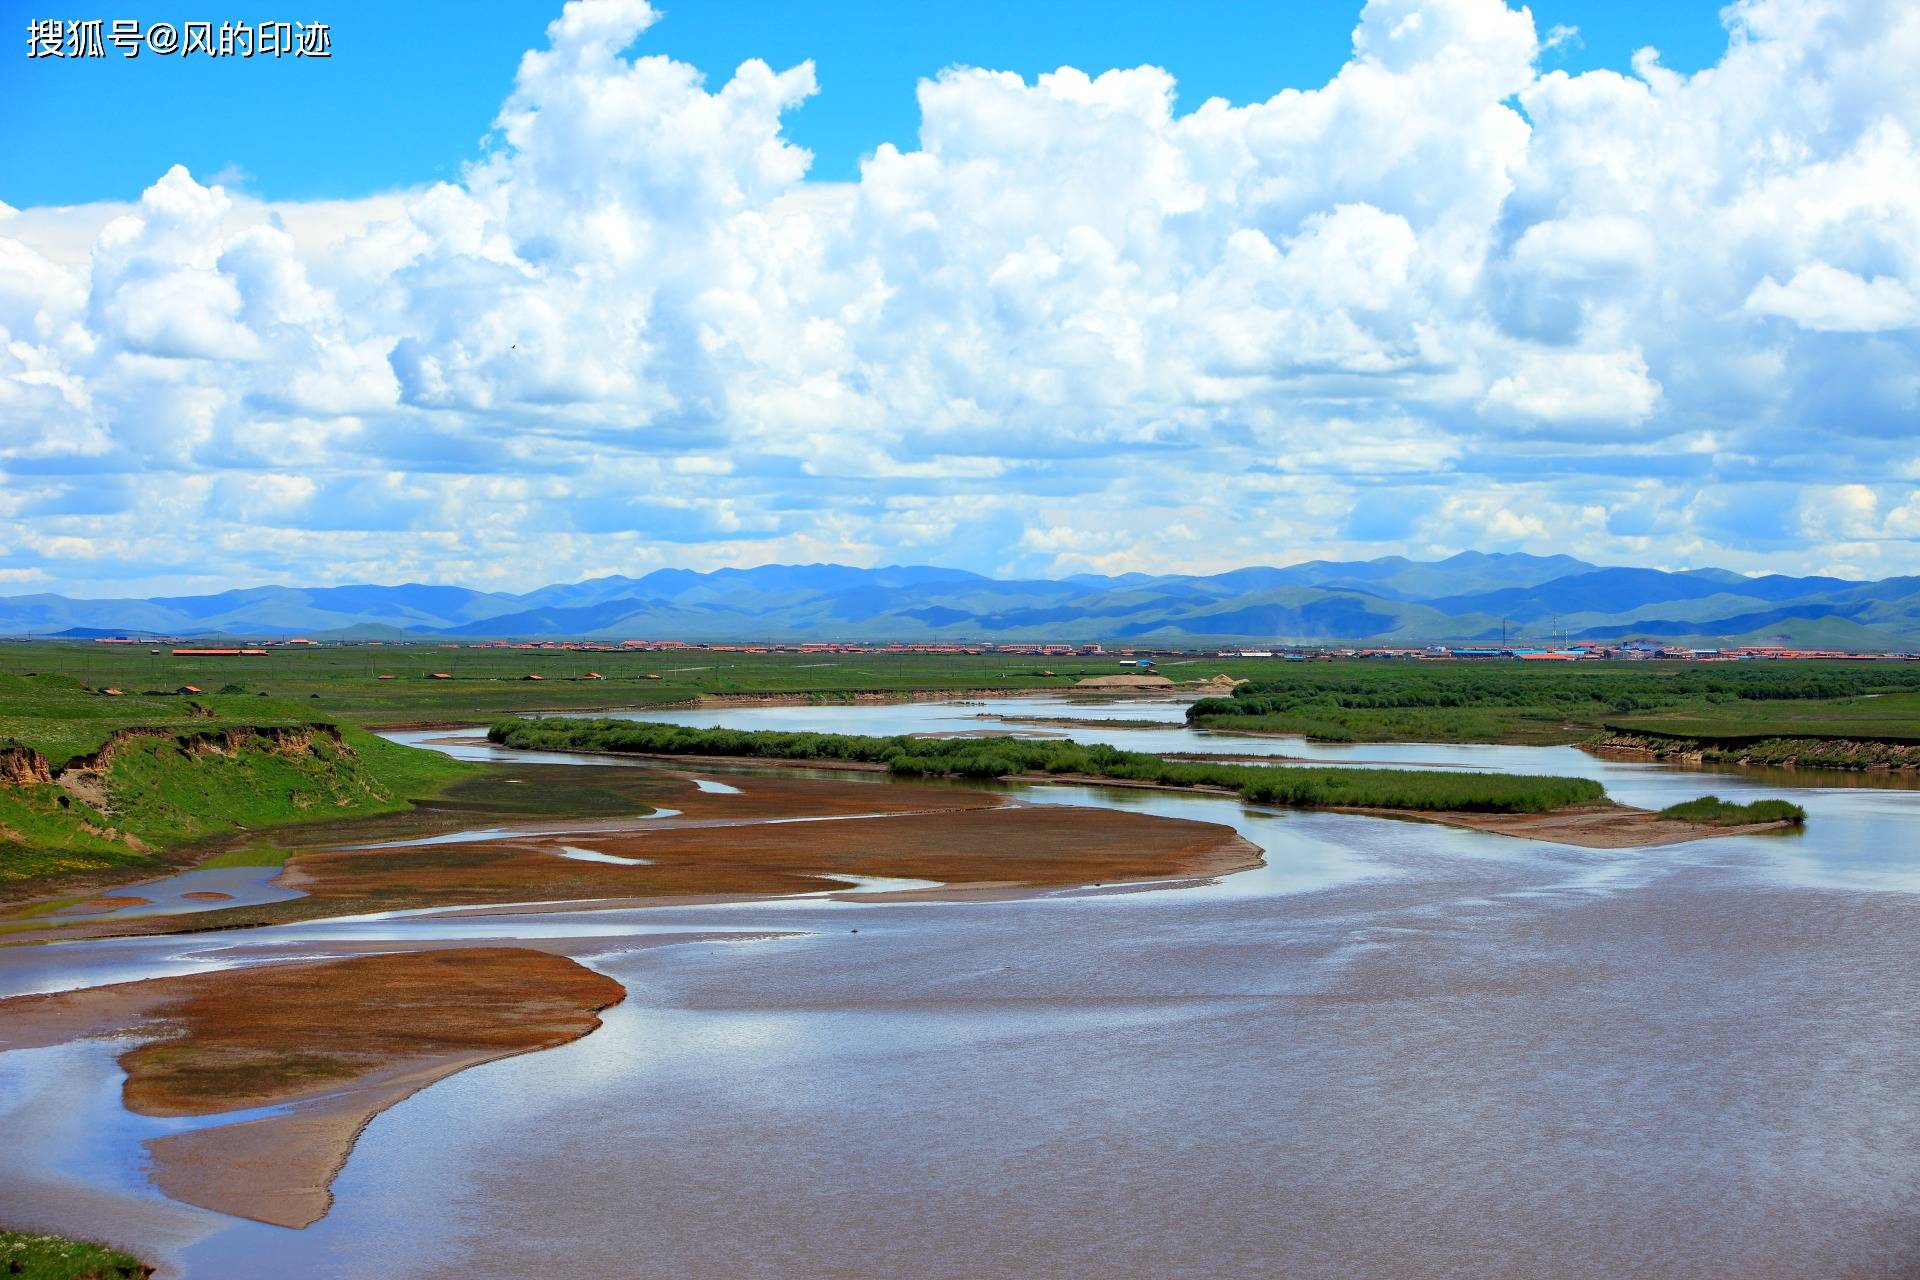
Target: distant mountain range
column 1465, row 598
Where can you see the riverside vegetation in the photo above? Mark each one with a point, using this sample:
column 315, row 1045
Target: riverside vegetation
column 1770, row 712
column 989, row 758
column 1715, row 812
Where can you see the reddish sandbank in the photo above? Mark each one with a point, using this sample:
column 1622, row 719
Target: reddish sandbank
column 1040, row 846
column 1592, row 826
column 347, row 1037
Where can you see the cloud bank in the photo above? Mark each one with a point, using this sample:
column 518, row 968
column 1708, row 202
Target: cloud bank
column 1447, row 300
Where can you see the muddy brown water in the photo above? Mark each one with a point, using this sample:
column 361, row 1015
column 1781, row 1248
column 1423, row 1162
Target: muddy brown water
column 1398, row 1050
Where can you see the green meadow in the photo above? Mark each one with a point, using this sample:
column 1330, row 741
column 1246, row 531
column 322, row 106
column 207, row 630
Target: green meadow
column 345, row 683
column 187, row 768
column 1548, row 703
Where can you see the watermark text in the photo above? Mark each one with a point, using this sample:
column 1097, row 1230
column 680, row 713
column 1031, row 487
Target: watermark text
column 129, row 38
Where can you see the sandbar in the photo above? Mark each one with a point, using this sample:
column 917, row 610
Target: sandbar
column 339, row 1039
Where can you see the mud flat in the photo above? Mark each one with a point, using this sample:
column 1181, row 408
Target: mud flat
column 341, row 1040
column 965, row 849
column 1601, row 826
column 105, row 904
column 773, row 833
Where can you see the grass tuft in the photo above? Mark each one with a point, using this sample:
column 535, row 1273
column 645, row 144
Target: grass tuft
column 38, row 1257
column 1715, row 812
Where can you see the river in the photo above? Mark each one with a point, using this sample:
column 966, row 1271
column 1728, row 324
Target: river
column 1397, row 1050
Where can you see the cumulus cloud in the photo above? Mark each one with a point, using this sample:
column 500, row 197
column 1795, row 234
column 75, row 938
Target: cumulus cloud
column 1608, row 388
column 1826, row 298
column 1449, row 298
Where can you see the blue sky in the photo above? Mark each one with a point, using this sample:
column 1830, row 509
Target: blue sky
column 508, row 294
column 105, row 130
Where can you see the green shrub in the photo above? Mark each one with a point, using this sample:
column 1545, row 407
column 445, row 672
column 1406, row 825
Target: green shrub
column 1716, row 812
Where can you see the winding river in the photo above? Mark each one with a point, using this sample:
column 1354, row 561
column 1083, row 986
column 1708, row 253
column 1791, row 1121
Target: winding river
column 1396, row 1050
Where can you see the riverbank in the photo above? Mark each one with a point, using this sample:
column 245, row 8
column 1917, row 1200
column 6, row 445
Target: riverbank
column 146, row 796
column 1780, row 753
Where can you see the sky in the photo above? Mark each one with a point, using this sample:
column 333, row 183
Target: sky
column 509, row 294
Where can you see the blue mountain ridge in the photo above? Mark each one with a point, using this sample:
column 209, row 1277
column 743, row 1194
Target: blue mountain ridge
column 1472, row 596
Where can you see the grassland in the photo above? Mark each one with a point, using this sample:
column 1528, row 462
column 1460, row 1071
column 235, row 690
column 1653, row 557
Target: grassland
column 1870, row 717
column 985, row 758
column 38, row 1257
column 1569, row 703
column 103, row 784
column 344, row 683
column 1353, row 700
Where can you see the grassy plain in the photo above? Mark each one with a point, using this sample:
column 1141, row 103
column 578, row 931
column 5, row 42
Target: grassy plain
column 344, row 683
column 187, row 769
column 1557, row 703
column 1870, row 717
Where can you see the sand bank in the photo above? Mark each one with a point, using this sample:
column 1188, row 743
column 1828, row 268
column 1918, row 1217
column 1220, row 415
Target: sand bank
column 1600, row 826
column 342, row 1040
column 999, row 846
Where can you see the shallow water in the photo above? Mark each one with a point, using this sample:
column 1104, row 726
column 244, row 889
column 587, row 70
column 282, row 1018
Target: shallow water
column 581, row 854
column 1397, row 1050
column 243, row 887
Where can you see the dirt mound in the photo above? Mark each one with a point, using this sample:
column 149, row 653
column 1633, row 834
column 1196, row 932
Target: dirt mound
column 23, row 766
column 1124, row 682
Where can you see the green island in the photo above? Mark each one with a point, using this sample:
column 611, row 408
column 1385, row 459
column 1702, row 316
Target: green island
column 37, row 1257
column 1716, row 812
column 989, row 758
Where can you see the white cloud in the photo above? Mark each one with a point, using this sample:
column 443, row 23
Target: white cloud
column 1831, row 300
column 633, row 333
column 1602, row 388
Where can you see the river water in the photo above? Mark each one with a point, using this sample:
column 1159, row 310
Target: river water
column 1397, row 1050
